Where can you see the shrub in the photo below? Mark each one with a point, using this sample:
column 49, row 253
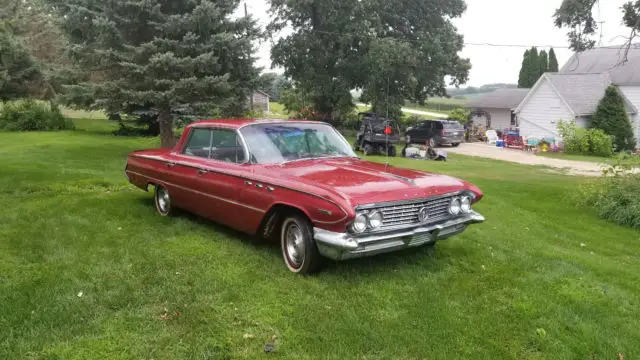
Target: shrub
column 616, row 196
column 32, row 115
column 611, row 116
column 578, row 140
column 616, row 199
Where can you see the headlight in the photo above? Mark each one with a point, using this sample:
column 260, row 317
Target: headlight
column 454, row 208
column 375, row 219
column 465, row 204
column 359, row 223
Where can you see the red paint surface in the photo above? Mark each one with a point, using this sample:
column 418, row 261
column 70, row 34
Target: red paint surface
column 227, row 192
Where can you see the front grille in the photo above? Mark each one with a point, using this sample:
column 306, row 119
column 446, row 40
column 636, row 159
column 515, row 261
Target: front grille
column 407, row 214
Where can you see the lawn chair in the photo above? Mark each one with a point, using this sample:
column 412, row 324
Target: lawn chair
column 531, row 143
column 492, row 137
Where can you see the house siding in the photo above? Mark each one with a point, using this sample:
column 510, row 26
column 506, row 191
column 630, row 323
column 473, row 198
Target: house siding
column 539, row 116
column 632, row 93
column 500, row 118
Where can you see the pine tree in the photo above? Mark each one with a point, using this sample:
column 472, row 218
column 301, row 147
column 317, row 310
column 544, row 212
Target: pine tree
column 543, row 62
column 553, row 61
column 20, row 75
column 611, row 116
column 522, row 78
column 160, row 56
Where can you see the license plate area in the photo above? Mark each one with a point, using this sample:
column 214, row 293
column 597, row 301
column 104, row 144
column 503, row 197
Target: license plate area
column 418, row 239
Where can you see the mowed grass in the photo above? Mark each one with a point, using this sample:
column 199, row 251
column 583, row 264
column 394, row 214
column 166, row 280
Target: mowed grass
column 89, row 271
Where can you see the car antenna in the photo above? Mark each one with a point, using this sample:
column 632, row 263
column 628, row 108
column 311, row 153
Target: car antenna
column 386, row 129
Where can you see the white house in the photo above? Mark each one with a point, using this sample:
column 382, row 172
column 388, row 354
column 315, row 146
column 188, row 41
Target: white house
column 575, row 91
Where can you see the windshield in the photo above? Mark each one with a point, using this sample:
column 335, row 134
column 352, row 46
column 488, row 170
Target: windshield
column 281, row 142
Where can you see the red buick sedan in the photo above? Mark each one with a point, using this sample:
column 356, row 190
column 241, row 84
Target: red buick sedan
column 300, row 182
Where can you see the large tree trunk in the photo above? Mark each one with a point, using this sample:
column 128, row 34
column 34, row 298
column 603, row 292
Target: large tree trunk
column 167, row 139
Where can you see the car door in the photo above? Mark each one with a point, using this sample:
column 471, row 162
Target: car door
column 180, row 171
column 218, row 179
column 436, row 131
column 421, row 133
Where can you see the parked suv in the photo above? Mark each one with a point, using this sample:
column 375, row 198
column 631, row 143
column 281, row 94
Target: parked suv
column 437, row 132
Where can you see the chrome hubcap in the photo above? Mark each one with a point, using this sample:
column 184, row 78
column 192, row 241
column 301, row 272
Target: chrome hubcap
column 295, row 244
column 163, row 199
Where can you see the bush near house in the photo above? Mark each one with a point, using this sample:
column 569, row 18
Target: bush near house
column 578, row 140
column 616, row 196
column 32, row 115
column 611, row 116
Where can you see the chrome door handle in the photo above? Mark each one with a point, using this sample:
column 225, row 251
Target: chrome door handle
column 171, row 164
column 259, row 186
column 247, row 182
column 202, row 171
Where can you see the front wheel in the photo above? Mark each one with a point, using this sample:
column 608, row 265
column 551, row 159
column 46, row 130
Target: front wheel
column 298, row 247
column 455, row 144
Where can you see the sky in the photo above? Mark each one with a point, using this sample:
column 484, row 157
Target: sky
column 504, row 22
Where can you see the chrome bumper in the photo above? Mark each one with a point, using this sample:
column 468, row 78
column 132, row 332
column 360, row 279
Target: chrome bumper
column 342, row 246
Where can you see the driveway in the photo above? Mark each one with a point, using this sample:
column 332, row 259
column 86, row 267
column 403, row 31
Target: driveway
column 492, row 152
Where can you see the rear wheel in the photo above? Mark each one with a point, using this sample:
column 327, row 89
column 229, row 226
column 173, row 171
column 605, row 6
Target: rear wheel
column 455, row 144
column 163, row 201
column 391, row 151
column 298, row 247
column 368, row 149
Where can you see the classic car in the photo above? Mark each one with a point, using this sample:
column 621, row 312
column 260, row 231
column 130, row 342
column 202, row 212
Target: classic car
column 299, row 182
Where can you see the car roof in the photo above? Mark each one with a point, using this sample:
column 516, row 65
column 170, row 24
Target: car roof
column 238, row 123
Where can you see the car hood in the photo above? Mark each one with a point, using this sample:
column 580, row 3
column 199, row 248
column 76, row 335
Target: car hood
column 363, row 182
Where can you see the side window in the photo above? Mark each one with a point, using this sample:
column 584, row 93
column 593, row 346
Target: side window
column 199, row 143
column 226, row 146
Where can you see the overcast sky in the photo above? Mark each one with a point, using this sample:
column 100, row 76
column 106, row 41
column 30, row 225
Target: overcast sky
column 506, row 22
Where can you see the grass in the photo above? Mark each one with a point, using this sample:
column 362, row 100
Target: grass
column 89, row 271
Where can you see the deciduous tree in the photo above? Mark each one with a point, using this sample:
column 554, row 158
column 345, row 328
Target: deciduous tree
column 390, row 52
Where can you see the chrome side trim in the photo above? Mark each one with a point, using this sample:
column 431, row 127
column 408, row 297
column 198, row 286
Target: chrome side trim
column 210, row 169
column 198, row 192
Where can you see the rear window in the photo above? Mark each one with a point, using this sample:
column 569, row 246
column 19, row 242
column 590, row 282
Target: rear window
column 452, row 125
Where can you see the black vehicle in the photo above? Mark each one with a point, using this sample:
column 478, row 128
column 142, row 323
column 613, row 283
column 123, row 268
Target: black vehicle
column 372, row 136
column 436, row 132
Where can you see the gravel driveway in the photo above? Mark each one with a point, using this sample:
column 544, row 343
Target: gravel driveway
column 492, row 152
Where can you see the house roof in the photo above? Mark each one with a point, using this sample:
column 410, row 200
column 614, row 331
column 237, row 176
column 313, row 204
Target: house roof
column 261, row 92
column 607, row 60
column 498, row 99
column 580, row 92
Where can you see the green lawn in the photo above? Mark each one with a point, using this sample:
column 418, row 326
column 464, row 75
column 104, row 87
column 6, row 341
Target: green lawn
column 89, row 271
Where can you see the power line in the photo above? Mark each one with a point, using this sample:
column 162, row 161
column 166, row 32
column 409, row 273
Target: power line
column 489, row 44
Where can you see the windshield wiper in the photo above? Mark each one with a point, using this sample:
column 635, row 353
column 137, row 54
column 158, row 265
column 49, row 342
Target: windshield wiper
column 321, row 157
